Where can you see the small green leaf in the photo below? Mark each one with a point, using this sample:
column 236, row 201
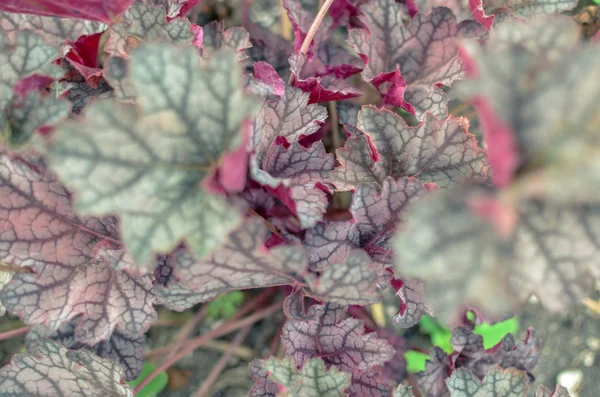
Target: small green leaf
column 155, row 386
column 225, row 305
column 415, row 361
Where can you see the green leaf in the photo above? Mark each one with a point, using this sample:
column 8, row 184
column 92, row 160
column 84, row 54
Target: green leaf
column 415, row 361
column 498, row 382
column 225, row 305
column 148, row 164
column 155, row 386
column 313, row 380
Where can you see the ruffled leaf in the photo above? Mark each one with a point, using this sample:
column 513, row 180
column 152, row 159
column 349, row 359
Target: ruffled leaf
column 167, row 147
column 435, row 151
column 497, row 383
column 337, row 338
column 48, row 369
column 528, row 8
column 312, row 380
column 127, row 351
column 353, row 282
column 499, row 258
column 242, row 262
column 407, row 61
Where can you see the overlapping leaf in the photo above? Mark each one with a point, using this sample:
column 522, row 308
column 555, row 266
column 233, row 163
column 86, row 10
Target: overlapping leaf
column 352, row 282
column 375, row 216
column 435, row 151
column 27, row 115
column 337, row 338
column 127, row 351
column 408, row 61
column 23, row 55
column 367, row 384
column 432, row 381
column 55, row 31
column 106, row 11
column 146, row 23
column 497, row 383
column 48, row 369
column 412, row 307
column 284, row 379
column 147, row 164
column 296, row 174
column 242, row 262
column 216, row 37
column 39, row 230
column 544, row 250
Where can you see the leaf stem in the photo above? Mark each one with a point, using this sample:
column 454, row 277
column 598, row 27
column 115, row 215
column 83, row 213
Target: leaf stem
column 188, row 329
column 13, row 333
column 315, row 26
column 14, row 269
column 193, row 344
column 222, row 363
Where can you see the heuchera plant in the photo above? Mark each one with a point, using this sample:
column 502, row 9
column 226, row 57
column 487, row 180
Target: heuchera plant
column 147, row 161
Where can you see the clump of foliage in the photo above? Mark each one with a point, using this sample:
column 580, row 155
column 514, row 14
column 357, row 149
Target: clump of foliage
column 148, row 161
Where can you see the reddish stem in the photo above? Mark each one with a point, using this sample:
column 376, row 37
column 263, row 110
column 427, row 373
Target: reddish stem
column 13, row 333
column 188, row 329
column 195, row 343
column 222, row 363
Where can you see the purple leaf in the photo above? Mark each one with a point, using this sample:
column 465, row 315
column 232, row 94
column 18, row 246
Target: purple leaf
column 216, row 37
column 294, row 306
column 48, row 369
column 435, row 151
column 127, row 351
column 267, row 74
column 432, row 381
column 395, row 369
column 559, row 391
column 403, row 390
column 375, row 216
column 339, row 340
column 301, row 21
column 106, row 11
column 424, row 49
column 497, row 382
column 352, row 282
column 42, row 232
column 367, row 384
column 412, row 306
column 242, row 262
column 172, row 86
column 470, row 354
column 295, row 174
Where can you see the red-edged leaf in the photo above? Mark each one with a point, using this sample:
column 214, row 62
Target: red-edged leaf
column 49, row 369
column 106, row 11
column 412, row 307
column 375, row 216
column 497, row 383
column 268, row 75
column 435, row 151
column 432, row 381
column 127, row 351
column 301, row 20
column 242, row 262
column 84, row 56
column 322, row 88
column 177, row 8
column 517, row 66
column 367, row 384
column 42, row 232
column 424, row 49
column 295, row 174
column 335, row 337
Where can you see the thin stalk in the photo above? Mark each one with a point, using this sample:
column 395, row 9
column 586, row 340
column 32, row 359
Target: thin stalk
column 13, row 333
column 188, row 329
column 335, row 126
column 222, row 363
column 312, row 31
column 193, row 344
